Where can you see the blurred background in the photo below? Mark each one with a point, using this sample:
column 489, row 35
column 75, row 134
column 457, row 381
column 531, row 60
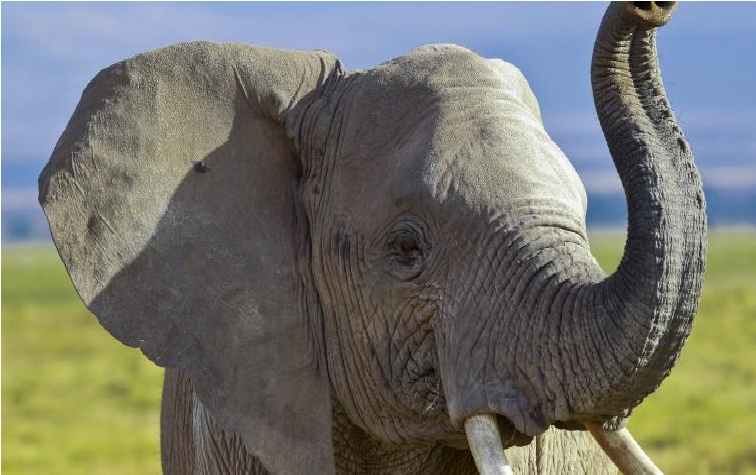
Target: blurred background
column 76, row 401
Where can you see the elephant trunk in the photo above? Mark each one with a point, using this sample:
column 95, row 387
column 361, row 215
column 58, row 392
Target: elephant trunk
column 627, row 329
column 648, row 304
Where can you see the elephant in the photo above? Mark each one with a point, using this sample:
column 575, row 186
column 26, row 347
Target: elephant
column 383, row 270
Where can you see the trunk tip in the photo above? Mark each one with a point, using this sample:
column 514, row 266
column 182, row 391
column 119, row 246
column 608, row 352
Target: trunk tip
column 650, row 14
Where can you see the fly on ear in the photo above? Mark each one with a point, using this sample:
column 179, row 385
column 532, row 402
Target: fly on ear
column 201, row 167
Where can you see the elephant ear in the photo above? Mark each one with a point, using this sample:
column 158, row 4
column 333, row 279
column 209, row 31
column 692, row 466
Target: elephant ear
column 172, row 200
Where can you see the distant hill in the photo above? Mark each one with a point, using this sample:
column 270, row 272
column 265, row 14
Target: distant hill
column 723, row 208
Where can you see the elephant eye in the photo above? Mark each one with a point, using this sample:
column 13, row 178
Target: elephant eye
column 406, row 254
column 407, row 244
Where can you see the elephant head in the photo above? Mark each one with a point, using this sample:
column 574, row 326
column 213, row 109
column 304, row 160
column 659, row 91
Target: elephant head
column 406, row 240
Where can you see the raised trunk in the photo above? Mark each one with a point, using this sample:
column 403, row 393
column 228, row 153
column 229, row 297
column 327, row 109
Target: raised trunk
column 639, row 317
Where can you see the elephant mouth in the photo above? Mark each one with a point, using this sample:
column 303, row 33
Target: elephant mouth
column 508, row 436
column 435, row 405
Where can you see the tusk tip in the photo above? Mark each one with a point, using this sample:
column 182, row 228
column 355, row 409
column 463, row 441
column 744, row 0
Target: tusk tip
column 623, row 450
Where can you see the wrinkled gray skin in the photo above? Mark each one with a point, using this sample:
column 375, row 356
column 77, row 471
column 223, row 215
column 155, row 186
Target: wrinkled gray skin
column 364, row 259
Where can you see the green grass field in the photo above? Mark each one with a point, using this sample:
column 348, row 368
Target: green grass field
column 74, row 401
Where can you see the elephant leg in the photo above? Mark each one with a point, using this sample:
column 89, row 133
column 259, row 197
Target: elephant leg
column 190, row 440
column 560, row 452
column 176, row 437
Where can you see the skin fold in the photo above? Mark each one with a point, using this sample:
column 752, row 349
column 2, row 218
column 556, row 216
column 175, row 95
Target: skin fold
column 362, row 260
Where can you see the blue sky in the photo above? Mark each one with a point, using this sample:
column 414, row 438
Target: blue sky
column 708, row 52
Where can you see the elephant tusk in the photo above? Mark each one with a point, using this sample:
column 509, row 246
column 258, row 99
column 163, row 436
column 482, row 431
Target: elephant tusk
column 624, row 451
column 485, row 445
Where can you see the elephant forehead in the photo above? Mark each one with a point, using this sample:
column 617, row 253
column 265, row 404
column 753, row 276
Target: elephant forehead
column 417, row 82
column 443, row 123
column 499, row 157
column 438, row 67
